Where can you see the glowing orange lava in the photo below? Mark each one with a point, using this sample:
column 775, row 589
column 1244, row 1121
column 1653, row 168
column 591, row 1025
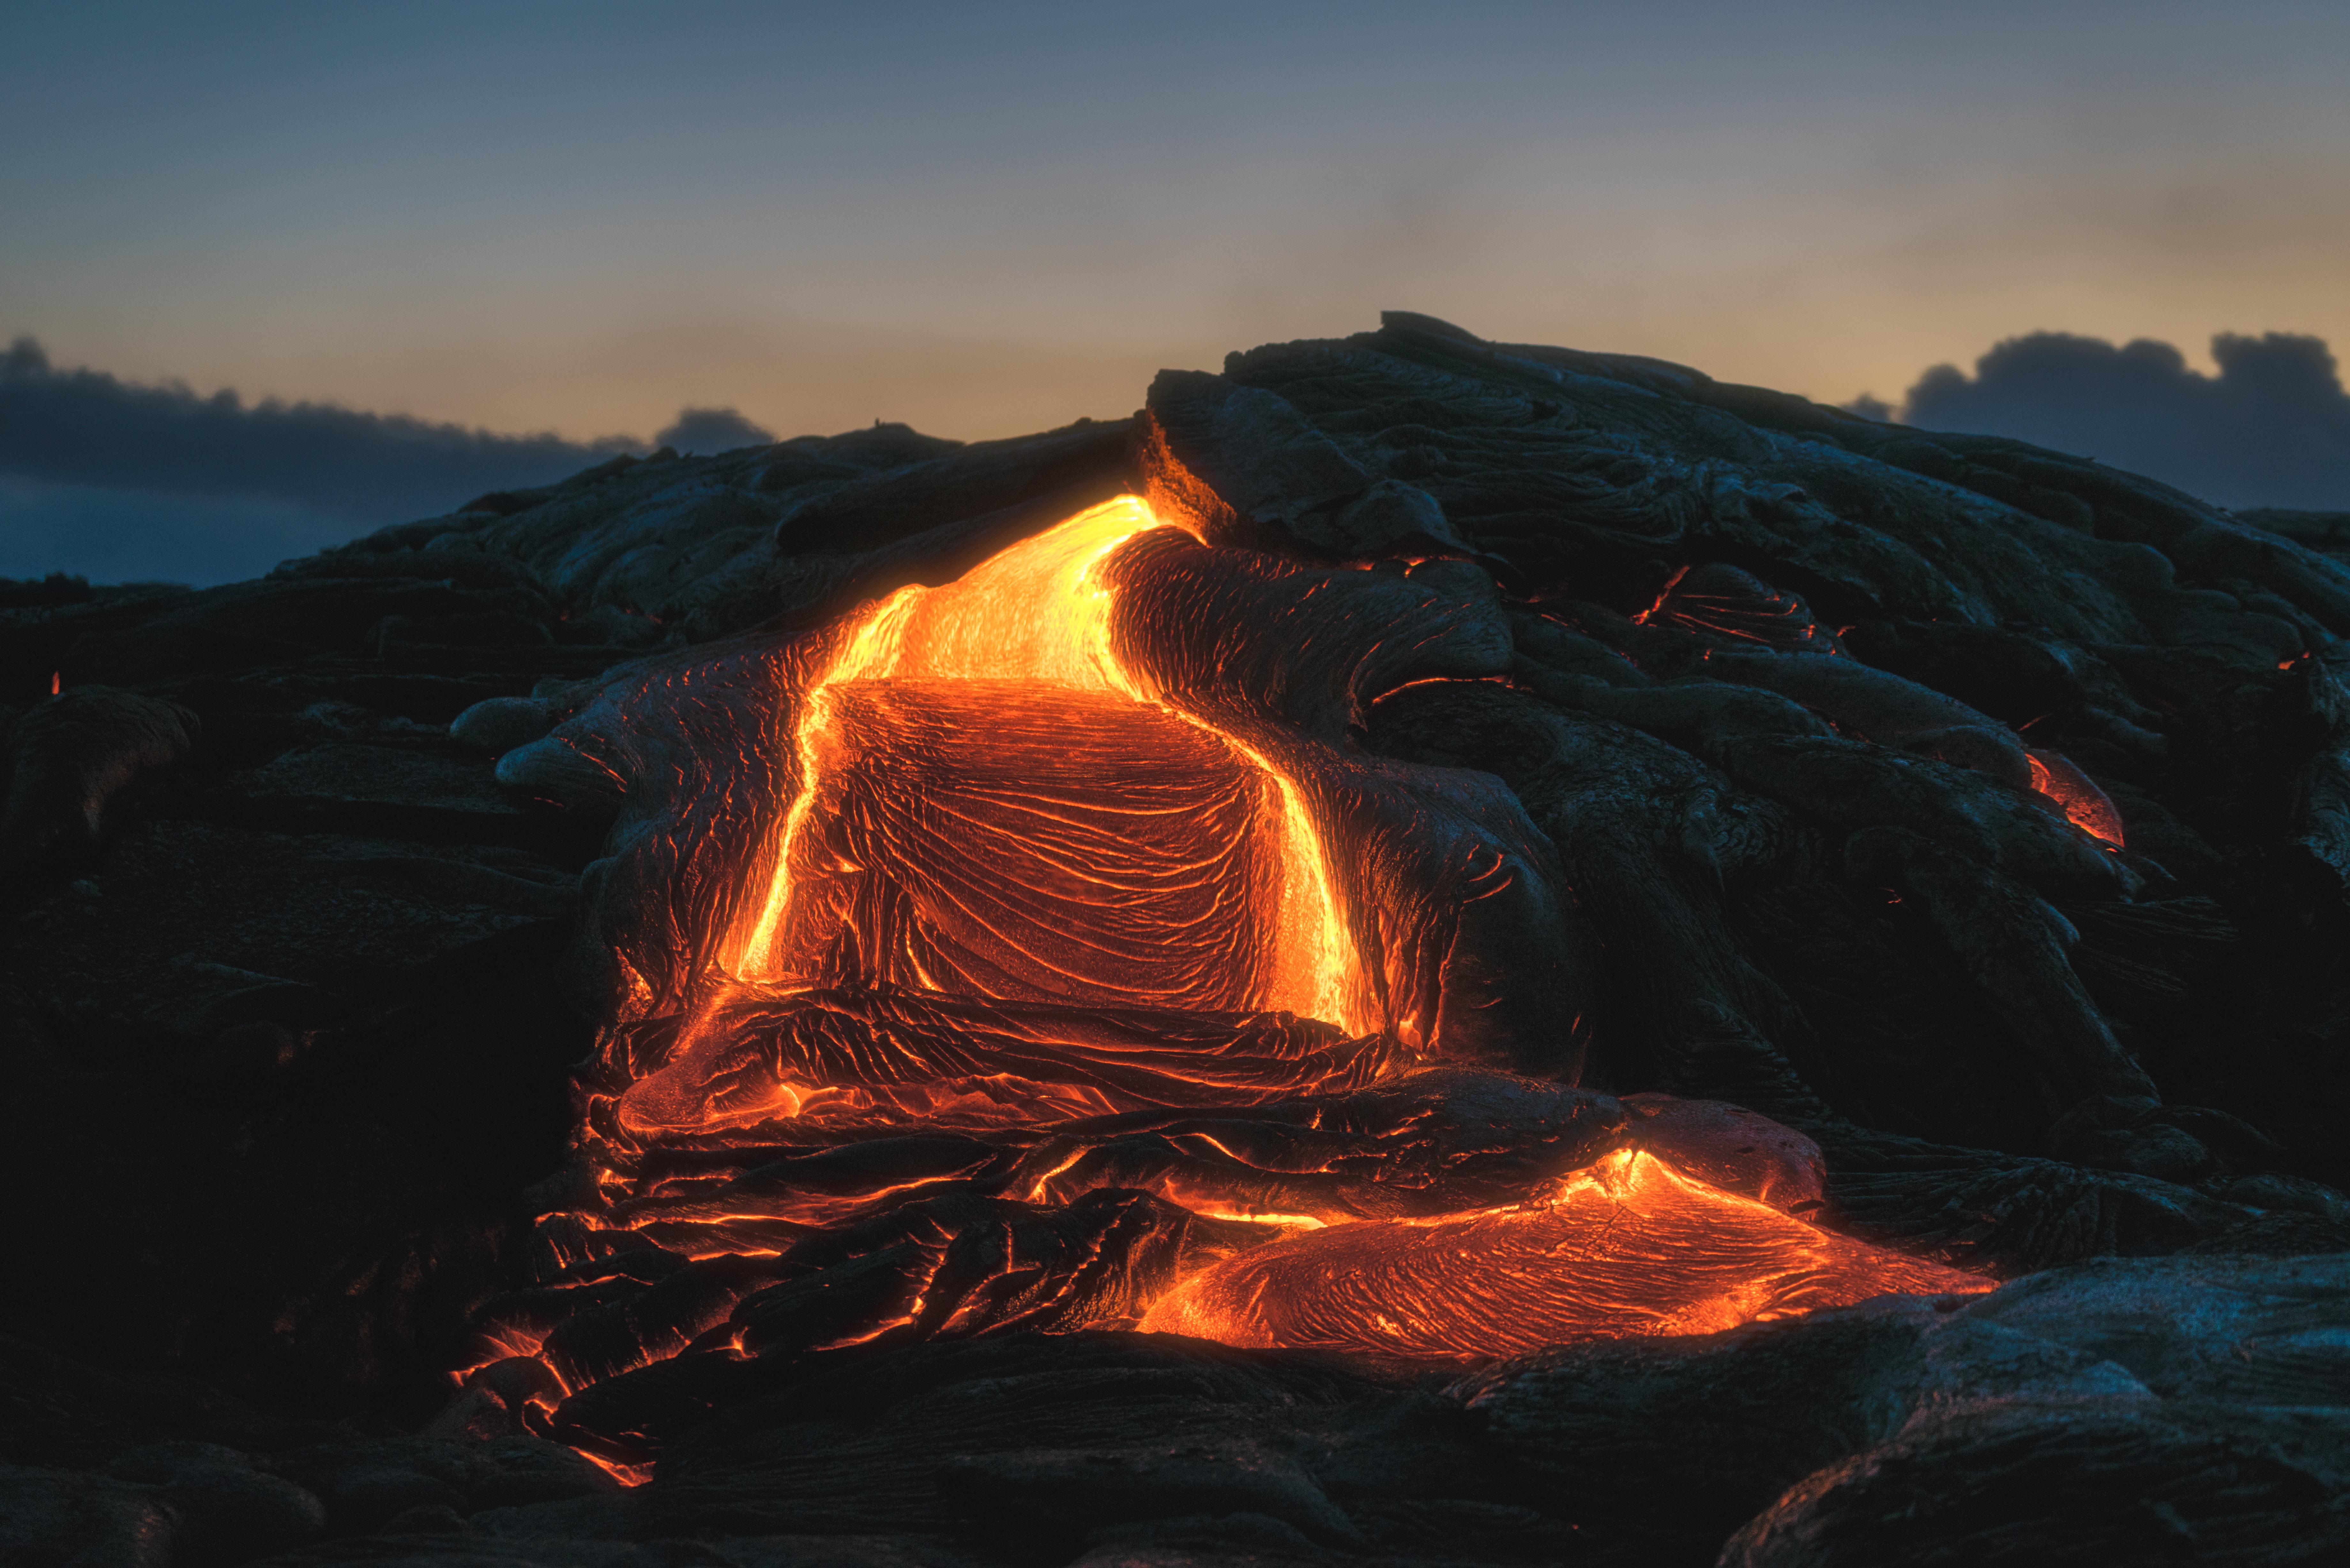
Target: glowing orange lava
column 1627, row 1247
column 1020, row 903
column 995, row 711
column 1037, row 614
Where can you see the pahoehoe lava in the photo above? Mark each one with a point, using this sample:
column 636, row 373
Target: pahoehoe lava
column 1433, row 951
column 1041, row 784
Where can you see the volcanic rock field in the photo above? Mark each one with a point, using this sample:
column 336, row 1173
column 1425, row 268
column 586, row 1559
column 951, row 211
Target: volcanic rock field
column 1431, row 952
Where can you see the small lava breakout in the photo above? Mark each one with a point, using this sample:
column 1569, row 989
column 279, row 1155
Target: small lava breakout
column 1432, row 951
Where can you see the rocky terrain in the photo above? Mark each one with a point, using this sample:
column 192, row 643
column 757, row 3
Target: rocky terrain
column 1979, row 813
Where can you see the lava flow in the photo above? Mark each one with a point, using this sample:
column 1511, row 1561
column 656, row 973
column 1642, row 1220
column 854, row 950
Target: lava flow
column 988, row 806
column 1039, row 744
column 1626, row 1248
column 1088, row 977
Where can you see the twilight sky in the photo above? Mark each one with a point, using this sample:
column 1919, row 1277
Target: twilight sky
column 580, row 218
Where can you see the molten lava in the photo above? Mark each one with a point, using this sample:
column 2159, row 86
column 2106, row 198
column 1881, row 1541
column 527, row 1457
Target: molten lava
column 2085, row 806
column 1627, row 1247
column 1093, row 850
column 1719, row 600
column 1005, row 685
column 1087, row 976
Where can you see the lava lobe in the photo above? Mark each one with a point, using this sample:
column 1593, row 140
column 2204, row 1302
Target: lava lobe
column 1041, row 951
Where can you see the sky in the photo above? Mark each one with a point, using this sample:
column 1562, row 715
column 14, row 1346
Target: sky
column 574, row 221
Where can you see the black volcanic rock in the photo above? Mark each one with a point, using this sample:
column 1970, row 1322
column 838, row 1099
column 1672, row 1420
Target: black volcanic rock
column 300, row 883
column 75, row 764
column 168, row 938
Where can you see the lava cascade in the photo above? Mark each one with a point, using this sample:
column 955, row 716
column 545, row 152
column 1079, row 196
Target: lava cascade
column 2085, row 806
column 1093, row 850
column 1029, row 630
column 1023, row 906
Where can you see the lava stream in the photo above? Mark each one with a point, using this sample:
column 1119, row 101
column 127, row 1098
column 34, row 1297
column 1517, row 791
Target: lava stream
column 1037, row 614
column 1626, row 1248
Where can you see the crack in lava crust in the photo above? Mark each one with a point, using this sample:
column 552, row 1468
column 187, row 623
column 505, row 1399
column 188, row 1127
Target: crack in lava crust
column 1088, row 975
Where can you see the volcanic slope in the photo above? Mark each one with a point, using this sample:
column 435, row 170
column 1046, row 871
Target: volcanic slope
column 1977, row 812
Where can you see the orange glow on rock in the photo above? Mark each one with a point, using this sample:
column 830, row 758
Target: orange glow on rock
column 2085, row 806
column 1627, row 1248
column 1003, row 810
column 1030, row 628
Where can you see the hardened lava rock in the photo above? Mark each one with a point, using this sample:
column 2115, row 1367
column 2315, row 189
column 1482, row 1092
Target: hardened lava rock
column 1936, row 844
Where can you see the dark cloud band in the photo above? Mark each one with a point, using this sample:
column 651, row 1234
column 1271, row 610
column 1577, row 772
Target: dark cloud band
column 118, row 480
column 2271, row 429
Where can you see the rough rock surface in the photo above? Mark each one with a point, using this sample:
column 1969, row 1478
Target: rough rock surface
column 1832, row 723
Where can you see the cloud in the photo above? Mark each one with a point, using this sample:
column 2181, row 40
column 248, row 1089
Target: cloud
column 123, row 481
column 2271, row 429
column 712, row 430
column 85, row 427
